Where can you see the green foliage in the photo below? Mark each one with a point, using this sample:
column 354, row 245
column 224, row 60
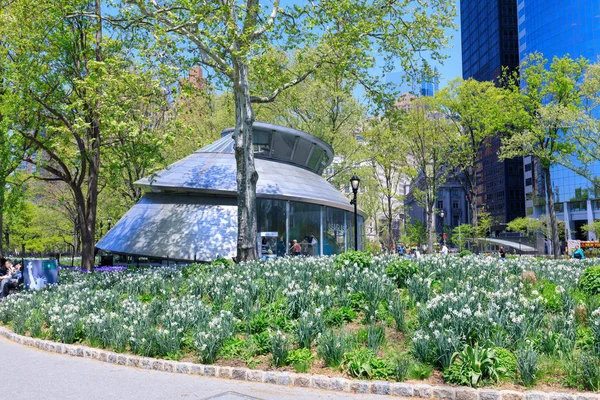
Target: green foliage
column 464, row 253
column 527, row 365
column 549, row 293
column 261, row 343
column 474, row 365
column 226, row 262
column 363, row 363
column 350, row 258
column 590, row 280
column 280, row 347
column 401, row 365
column 300, row 359
column 338, row 316
column 420, row 371
column 400, row 270
column 375, row 337
column 233, row 347
column 507, row 361
column 332, row 345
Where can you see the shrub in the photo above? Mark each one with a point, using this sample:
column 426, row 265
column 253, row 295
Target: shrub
column 258, row 323
column 401, row 270
column 464, row 253
column 590, row 280
column 300, row 359
column 551, row 295
column 261, row 343
column 474, row 365
column 507, row 361
column 363, row 363
column 357, row 363
column 350, row 258
column 337, row 316
column 226, row 262
column 527, row 364
column 233, row 347
column 419, row 371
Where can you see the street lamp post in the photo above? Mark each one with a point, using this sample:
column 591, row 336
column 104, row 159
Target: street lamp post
column 355, row 182
column 109, row 220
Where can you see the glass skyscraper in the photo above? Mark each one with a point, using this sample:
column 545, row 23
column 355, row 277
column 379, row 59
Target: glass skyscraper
column 490, row 43
column 558, row 28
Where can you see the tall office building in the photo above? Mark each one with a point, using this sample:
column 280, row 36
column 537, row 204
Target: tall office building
column 558, row 28
column 489, row 44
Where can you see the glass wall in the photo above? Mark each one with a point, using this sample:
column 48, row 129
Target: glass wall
column 305, row 227
column 334, row 231
column 271, row 217
column 319, row 230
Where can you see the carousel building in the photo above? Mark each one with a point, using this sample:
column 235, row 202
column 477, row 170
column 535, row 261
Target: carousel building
column 189, row 209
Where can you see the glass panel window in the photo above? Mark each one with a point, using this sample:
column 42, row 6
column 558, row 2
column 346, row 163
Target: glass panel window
column 282, row 146
column 334, row 231
column 305, row 227
column 262, row 143
column 271, row 226
column 315, row 157
column 302, row 151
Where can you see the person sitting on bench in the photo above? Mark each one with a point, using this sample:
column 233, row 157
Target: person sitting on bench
column 9, row 277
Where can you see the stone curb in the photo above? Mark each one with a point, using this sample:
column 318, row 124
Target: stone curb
column 418, row 391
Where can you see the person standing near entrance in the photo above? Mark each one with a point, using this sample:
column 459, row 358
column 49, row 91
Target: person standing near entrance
column 296, row 248
column 502, row 253
column 578, row 254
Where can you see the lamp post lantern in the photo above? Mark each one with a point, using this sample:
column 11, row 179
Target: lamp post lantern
column 355, row 183
column 109, row 220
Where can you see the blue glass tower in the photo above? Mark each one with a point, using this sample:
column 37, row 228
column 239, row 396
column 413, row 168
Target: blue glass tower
column 557, row 28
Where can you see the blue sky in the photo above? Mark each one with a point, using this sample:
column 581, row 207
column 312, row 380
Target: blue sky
column 452, row 67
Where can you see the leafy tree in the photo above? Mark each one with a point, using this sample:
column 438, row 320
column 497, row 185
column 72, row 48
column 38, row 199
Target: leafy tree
column 245, row 45
column 424, row 139
column 462, row 235
column 587, row 132
column 416, row 232
column 72, row 92
column 479, row 111
column 388, row 171
column 594, row 227
column 551, row 95
column 325, row 106
column 531, row 226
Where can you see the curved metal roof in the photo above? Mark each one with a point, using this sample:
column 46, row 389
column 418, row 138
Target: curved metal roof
column 180, row 227
column 215, row 173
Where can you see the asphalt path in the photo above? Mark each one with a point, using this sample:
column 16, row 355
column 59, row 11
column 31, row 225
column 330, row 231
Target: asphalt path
column 31, row 374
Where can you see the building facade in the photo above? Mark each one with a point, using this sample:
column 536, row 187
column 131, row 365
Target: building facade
column 559, row 28
column 490, row 44
column 189, row 211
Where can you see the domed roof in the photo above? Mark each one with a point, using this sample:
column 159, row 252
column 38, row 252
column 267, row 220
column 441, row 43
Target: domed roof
column 212, row 170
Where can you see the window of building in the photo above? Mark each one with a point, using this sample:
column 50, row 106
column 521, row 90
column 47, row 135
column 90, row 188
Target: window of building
column 528, row 182
column 455, row 205
column 528, row 167
column 440, row 204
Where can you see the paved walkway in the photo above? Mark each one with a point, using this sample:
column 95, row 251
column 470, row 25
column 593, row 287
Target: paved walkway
column 31, row 374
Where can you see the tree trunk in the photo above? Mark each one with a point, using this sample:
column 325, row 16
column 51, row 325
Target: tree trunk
column 246, row 176
column 553, row 223
column 390, row 235
column 430, row 229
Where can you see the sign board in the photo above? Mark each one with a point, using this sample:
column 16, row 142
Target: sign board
column 584, row 244
column 38, row 273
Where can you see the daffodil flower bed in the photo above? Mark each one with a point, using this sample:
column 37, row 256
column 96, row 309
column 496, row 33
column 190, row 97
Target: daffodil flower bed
column 478, row 321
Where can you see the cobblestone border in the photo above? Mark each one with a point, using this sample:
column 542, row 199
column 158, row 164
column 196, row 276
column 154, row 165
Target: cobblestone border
column 417, row 391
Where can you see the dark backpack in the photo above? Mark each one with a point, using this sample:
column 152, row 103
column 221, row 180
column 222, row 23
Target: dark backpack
column 577, row 255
